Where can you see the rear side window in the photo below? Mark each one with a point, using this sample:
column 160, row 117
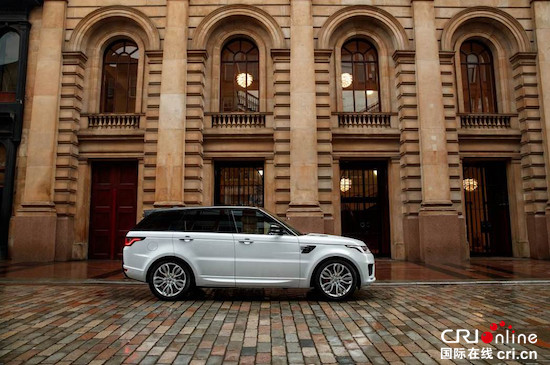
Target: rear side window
column 161, row 221
column 209, row 220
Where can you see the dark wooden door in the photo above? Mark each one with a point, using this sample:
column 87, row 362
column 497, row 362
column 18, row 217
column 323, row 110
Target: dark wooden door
column 487, row 208
column 113, row 207
column 364, row 204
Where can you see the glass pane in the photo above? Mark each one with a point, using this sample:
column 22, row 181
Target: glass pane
column 211, row 220
column 478, row 82
column 161, row 221
column 120, row 67
column 359, row 78
column 9, row 66
column 240, row 76
column 252, row 221
column 240, row 185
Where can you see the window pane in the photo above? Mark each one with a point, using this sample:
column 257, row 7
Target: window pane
column 161, row 221
column 252, row 221
column 211, row 220
column 240, row 70
column 478, row 82
column 120, row 67
column 9, row 66
column 360, row 77
column 239, row 184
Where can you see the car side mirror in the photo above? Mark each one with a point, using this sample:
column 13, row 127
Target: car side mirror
column 275, row 229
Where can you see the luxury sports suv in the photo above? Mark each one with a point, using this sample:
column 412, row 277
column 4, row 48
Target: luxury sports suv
column 176, row 249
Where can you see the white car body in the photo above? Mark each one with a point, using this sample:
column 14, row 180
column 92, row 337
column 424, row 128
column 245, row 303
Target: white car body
column 246, row 260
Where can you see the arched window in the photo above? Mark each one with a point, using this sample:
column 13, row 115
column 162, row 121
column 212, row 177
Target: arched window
column 478, row 80
column 240, row 74
column 120, row 66
column 9, row 66
column 360, row 79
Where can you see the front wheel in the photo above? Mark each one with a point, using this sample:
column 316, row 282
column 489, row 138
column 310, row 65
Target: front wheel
column 170, row 280
column 336, row 279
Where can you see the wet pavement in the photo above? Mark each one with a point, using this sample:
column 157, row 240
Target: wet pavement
column 116, row 323
column 86, row 312
column 478, row 269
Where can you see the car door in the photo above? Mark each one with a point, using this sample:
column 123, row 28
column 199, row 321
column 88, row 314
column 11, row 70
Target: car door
column 262, row 259
column 205, row 240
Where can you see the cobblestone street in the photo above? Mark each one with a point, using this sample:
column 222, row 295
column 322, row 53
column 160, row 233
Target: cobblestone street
column 115, row 323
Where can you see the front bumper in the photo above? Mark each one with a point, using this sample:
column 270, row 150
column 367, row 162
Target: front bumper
column 368, row 270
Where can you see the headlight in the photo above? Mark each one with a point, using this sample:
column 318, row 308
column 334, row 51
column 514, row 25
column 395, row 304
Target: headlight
column 362, row 249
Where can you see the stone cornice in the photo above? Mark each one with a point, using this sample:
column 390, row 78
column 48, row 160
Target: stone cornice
column 280, row 54
column 402, row 55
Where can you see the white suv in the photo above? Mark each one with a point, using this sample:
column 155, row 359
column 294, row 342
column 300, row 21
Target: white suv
column 176, row 249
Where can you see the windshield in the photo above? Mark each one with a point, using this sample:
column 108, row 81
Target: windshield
column 283, row 223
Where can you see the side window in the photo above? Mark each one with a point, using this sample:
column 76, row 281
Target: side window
column 252, row 221
column 210, row 220
column 161, row 221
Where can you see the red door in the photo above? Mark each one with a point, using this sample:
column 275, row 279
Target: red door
column 113, row 207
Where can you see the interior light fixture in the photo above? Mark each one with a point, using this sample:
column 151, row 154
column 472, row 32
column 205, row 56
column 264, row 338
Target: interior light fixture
column 347, row 79
column 244, row 79
column 469, row 184
column 345, row 184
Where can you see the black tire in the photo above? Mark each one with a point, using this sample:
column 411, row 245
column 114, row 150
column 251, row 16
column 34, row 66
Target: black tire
column 339, row 286
column 170, row 280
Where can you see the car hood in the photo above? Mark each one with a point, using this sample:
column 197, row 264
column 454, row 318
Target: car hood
column 328, row 239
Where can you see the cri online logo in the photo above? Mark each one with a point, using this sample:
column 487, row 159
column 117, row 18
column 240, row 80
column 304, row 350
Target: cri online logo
column 487, row 336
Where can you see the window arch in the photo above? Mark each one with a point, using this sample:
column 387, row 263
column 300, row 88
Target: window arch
column 478, row 78
column 9, row 65
column 360, row 77
column 119, row 81
column 240, row 77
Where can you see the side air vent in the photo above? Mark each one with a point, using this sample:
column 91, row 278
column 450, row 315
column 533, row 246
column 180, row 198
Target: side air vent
column 307, row 249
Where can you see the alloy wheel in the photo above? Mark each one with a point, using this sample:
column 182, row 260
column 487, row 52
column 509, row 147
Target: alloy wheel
column 336, row 280
column 169, row 279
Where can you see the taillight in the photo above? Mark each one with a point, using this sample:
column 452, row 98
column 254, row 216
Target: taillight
column 129, row 241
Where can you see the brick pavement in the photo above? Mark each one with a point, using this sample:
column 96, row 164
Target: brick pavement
column 113, row 324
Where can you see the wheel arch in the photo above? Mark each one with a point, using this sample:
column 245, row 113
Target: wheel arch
column 337, row 257
column 168, row 258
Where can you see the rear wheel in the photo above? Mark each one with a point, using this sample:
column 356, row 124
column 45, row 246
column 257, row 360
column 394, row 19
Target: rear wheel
column 170, row 280
column 336, row 279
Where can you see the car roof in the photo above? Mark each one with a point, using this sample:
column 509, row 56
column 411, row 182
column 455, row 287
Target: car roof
column 154, row 210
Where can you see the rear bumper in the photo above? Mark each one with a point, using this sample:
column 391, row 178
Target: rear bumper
column 129, row 270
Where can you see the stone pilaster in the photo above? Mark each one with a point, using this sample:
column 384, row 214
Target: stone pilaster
column 440, row 230
column 197, row 188
column 541, row 15
column 35, row 222
column 411, row 186
column 304, row 210
column 170, row 167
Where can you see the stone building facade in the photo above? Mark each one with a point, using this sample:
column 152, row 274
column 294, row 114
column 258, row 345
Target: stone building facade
column 418, row 126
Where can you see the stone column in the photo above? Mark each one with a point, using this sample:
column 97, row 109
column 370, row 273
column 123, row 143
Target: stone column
column 171, row 127
column 304, row 211
column 541, row 14
column 439, row 226
column 35, row 222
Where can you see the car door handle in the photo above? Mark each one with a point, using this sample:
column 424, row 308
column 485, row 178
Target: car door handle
column 246, row 241
column 186, row 239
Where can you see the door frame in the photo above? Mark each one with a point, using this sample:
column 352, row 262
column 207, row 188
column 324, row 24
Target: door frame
column 381, row 163
column 86, row 201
